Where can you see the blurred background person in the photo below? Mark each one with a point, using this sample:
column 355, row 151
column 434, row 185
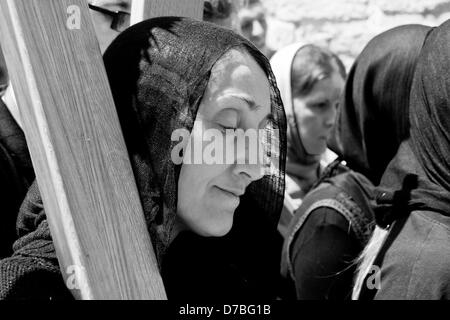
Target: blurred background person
column 311, row 80
column 253, row 25
column 223, row 13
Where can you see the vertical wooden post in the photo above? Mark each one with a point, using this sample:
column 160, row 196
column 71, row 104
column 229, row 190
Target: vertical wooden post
column 78, row 151
column 146, row 9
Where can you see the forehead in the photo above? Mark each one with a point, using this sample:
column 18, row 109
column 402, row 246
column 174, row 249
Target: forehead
column 237, row 72
column 330, row 87
column 252, row 12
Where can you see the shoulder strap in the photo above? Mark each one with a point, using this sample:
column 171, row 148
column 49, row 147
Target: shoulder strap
column 360, row 189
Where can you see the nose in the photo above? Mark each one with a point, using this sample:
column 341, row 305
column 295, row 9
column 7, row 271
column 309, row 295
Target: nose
column 251, row 172
column 257, row 29
column 249, row 162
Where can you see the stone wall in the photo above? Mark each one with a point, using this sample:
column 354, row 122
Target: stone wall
column 345, row 26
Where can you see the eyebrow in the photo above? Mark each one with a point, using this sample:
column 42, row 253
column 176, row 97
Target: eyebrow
column 249, row 101
column 253, row 105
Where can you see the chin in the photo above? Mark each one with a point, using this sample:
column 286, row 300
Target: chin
column 318, row 149
column 218, row 229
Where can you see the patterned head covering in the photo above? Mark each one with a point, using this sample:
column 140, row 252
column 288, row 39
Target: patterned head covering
column 158, row 72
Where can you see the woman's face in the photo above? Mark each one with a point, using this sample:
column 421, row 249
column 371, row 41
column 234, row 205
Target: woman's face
column 316, row 113
column 237, row 97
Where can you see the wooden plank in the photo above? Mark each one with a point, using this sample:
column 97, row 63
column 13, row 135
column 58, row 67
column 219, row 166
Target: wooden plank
column 146, row 9
column 78, row 151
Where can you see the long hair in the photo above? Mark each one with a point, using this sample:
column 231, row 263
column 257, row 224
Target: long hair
column 367, row 258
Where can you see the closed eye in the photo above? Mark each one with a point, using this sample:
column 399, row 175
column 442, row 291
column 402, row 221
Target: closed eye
column 224, row 128
column 321, row 105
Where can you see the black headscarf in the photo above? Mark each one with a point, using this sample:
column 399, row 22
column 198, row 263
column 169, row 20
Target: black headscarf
column 373, row 116
column 158, row 71
column 419, row 175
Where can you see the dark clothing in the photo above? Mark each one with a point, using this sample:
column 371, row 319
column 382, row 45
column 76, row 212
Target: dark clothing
column 16, row 175
column 32, row 272
column 377, row 96
column 327, row 234
column 413, row 260
column 194, row 269
column 201, row 269
column 323, row 256
column 415, row 265
column 415, row 189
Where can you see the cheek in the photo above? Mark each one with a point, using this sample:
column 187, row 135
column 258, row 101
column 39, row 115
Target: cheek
column 194, row 186
column 194, row 178
column 308, row 121
column 200, row 207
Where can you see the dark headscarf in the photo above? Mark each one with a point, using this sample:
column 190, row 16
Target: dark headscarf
column 158, row 71
column 373, row 116
column 419, row 175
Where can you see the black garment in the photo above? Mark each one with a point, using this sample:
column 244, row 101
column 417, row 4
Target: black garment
column 415, row 189
column 371, row 123
column 203, row 269
column 158, row 71
column 327, row 233
column 372, row 119
column 195, row 268
column 323, row 256
column 32, row 272
column 16, row 174
column 16, row 171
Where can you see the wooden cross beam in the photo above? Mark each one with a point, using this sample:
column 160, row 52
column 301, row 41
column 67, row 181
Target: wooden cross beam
column 78, row 151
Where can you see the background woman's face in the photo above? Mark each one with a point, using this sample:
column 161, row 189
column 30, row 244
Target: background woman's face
column 316, row 113
column 238, row 97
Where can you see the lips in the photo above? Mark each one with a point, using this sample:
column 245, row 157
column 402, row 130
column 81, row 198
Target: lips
column 237, row 192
